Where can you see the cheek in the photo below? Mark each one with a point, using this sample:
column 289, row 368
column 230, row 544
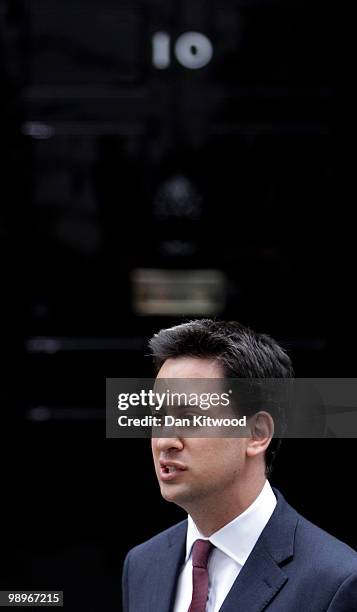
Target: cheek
column 209, row 457
column 223, row 456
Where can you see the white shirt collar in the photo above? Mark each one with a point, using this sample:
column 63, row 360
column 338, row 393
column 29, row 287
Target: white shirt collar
column 237, row 539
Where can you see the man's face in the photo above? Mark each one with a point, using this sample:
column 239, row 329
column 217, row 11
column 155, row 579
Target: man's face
column 193, row 471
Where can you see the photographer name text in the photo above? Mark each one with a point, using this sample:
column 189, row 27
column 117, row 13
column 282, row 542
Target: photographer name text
column 171, row 421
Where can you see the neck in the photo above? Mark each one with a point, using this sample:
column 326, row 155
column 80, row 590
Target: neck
column 210, row 515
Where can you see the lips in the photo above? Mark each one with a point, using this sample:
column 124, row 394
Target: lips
column 171, row 469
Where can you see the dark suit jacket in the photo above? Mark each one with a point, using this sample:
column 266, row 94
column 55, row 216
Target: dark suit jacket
column 294, row 567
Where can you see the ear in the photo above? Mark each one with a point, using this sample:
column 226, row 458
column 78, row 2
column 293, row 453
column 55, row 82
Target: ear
column 261, row 432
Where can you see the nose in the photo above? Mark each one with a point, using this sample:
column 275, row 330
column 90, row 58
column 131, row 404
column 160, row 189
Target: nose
column 164, row 445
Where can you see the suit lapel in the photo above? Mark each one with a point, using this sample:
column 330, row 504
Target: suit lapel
column 258, row 582
column 261, row 578
column 165, row 570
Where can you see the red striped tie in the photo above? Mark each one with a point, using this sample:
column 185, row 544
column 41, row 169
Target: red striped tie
column 200, row 552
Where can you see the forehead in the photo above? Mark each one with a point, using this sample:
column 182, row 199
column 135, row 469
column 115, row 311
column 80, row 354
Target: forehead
column 191, row 367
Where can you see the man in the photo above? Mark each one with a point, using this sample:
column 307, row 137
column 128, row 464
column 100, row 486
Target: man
column 242, row 548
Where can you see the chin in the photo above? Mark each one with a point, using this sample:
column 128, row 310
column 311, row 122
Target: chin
column 169, row 497
column 168, row 494
column 172, row 496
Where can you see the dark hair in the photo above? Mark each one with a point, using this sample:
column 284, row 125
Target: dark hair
column 242, row 352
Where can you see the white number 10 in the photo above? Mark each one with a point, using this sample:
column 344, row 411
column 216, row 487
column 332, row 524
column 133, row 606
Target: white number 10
column 192, row 50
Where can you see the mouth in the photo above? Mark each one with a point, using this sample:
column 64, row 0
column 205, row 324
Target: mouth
column 170, row 470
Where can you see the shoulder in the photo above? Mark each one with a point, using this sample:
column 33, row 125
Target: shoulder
column 323, row 548
column 319, row 552
column 158, row 543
